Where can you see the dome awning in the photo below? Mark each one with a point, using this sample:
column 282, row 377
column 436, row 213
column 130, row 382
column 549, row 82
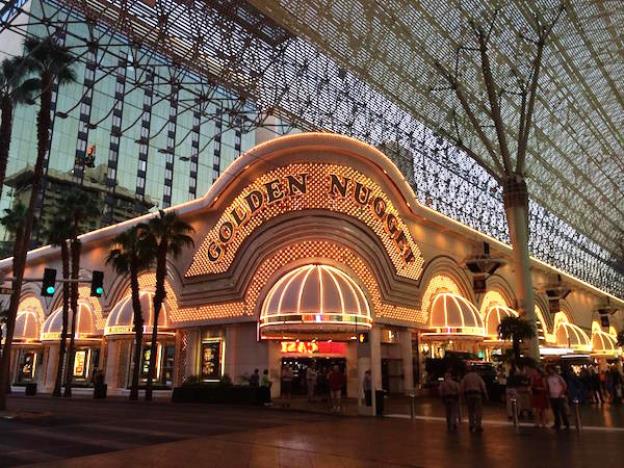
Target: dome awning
column 27, row 326
column 314, row 300
column 493, row 318
column 604, row 344
column 451, row 314
column 120, row 320
column 85, row 324
column 572, row 336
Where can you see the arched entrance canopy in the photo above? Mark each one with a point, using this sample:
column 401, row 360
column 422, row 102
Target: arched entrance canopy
column 493, row 318
column 120, row 321
column 85, row 324
column 454, row 316
column 572, row 336
column 27, row 326
column 314, row 300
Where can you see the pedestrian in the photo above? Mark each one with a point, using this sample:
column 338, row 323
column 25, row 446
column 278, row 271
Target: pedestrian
column 287, row 378
column 449, row 392
column 473, row 389
column 311, row 376
column 367, row 386
column 539, row 396
column 265, row 388
column 557, row 393
column 336, row 382
column 254, row 380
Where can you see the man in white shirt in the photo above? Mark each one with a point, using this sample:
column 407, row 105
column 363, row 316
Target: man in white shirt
column 557, row 389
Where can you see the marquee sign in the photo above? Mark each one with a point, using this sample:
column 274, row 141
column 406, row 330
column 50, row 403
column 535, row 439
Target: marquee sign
column 308, row 186
column 313, row 347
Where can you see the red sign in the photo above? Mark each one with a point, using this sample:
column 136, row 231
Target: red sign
column 313, row 347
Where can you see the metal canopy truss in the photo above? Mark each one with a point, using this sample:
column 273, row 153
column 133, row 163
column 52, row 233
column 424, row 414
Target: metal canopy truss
column 238, row 55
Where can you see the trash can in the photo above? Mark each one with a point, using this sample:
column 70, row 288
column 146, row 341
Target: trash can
column 379, row 402
column 99, row 391
column 31, row 389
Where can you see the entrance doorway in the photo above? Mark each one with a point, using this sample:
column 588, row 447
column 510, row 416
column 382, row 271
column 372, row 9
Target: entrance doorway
column 300, row 365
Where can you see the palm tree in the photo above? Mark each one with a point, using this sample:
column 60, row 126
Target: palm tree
column 52, row 63
column 516, row 329
column 620, row 338
column 80, row 207
column 59, row 232
column 15, row 89
column 134, row 252
column 170, row 235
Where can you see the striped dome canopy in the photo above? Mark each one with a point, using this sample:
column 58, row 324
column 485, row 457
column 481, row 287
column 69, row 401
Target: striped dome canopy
column 85, row 324
column 120, row 320
column 453, row 314
column 27, row 326
column 493, row 318
column 315, row 298
column 604, row 343
column 572, row 336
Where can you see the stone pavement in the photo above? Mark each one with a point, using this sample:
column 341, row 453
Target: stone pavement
column 129, row 434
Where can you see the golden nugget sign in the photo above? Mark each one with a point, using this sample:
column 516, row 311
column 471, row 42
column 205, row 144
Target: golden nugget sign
column 308, row 186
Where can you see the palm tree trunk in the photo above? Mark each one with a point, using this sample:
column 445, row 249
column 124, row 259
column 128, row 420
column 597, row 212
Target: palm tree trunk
column 63, row 344
column 159, row 297
column 75, row 261
column 138, row 330
column 6, row 126
column 19, row 258
column 516, row 349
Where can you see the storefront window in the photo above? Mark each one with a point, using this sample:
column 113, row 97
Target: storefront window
column 211, row 359
column 81, row 364
column 27, row 367
column 165, row 363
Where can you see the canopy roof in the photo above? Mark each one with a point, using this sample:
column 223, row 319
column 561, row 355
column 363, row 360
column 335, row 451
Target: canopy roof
column 572, row 336
column 86, row 324
column 604, row 343
column 575, row 159
column 313, row 298
column 120, row 320
column 453, row 314
column 493, row 317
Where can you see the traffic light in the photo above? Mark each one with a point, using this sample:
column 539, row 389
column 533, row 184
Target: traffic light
column 97, row 283
column 49, row 280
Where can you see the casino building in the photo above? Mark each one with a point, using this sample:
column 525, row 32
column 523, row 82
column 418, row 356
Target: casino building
column 308, row 247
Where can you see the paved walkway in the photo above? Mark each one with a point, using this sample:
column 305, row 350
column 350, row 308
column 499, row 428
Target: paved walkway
column 118, row 433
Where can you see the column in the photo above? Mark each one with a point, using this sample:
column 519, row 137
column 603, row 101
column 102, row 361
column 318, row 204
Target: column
column 50, row 374
column 193, row 344
column 374, row 338
column 516, row 203
column 231, row 348
column 405, row 340
column 111, row 375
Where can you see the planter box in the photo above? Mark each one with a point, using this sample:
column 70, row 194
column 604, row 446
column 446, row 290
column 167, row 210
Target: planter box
column 235, row 394
column 31, row 389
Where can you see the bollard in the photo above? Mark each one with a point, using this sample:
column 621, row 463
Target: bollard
column 577, row 415
column 514, row 412
column 412, row 409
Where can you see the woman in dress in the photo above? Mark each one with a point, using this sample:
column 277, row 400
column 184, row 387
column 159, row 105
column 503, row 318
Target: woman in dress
column 539, row 397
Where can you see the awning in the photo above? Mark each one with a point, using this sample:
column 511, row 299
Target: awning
column 27, row 326
column 453, row 315
column 572, row 336
column 493, row 318
column 120, row 320
column 85, row 324
column 604, row 344
column 314, row 300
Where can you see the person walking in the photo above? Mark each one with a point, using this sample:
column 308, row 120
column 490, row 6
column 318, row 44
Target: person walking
column 473, row 389
column 336, row 382
column 265, row 388
column 367, row 387
column 311, row 376
column 539, row 396
column 449, row 392
column 557, row 393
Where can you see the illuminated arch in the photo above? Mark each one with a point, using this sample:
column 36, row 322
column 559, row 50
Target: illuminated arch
column 452, row 314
